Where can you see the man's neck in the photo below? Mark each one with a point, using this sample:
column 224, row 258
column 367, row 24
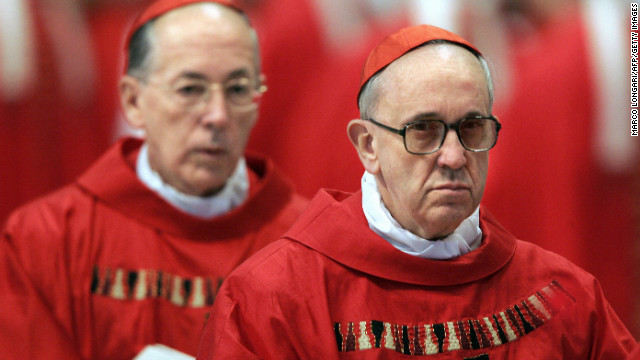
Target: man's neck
column 231, row 195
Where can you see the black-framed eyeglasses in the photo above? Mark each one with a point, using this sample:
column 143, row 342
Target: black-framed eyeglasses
column 422, row 137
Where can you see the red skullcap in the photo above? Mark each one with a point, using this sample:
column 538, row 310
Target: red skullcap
column 162, row 7
column 400, row 42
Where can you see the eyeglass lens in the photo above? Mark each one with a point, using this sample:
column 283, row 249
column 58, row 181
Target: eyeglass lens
column 238, row 92
column 428, row 136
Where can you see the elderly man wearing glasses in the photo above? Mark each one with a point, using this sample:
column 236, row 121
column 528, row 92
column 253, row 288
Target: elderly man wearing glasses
column 412, row 264
column 133, row 253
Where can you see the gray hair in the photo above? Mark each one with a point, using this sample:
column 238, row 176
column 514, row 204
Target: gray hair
column 140, row 51
column 368, row 99
column 141, row 47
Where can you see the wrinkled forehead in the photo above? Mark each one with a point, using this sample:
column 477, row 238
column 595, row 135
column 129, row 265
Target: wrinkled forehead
column 431, row 77
column 432, row 60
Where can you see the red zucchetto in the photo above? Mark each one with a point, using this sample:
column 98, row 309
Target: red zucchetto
column 400, row 42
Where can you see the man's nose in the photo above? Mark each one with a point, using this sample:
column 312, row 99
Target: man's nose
column 452, row 153
column 216, row 109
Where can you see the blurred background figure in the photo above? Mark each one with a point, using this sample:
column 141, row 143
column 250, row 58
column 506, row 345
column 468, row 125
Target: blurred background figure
column 565, row 157
column 48, row 130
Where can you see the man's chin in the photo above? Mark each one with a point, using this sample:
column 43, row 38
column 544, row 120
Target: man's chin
column 203, row 185
column 445, row 219
column 210, row 188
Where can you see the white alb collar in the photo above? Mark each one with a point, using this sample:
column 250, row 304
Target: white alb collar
column 466, row 238
column 233, row 194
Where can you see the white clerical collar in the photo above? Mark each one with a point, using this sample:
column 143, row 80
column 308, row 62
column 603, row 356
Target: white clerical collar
column 233, row 194
column 464, row 239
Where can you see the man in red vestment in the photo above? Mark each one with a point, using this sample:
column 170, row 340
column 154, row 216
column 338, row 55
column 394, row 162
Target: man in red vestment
column 133, row 252
column 412, row 264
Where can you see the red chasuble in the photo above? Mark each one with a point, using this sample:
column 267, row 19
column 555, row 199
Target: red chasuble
column 333, row 289
column 103, row 267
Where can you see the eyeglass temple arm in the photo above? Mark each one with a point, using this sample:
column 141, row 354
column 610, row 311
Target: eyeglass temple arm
column 399, row 132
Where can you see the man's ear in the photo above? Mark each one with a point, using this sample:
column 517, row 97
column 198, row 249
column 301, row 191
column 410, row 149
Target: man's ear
column 262, row 78
column 362, row 140
column 262, row 87
column 129, row 89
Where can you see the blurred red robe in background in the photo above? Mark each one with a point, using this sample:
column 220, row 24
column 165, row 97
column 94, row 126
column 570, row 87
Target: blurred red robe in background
column 49, row 132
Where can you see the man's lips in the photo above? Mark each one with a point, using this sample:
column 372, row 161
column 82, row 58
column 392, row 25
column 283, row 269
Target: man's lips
column 452, row 189
column 453, row 186
column 209, row 151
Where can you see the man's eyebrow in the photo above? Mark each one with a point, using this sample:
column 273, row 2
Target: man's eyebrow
column 427, row 116
column 438, row 116
column 424, row 117
column 238, row 73
column 193, row 75
column 474, row 114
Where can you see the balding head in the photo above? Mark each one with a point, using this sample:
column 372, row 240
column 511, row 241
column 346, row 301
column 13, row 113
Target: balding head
column 144, row 42
column 368, row 97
